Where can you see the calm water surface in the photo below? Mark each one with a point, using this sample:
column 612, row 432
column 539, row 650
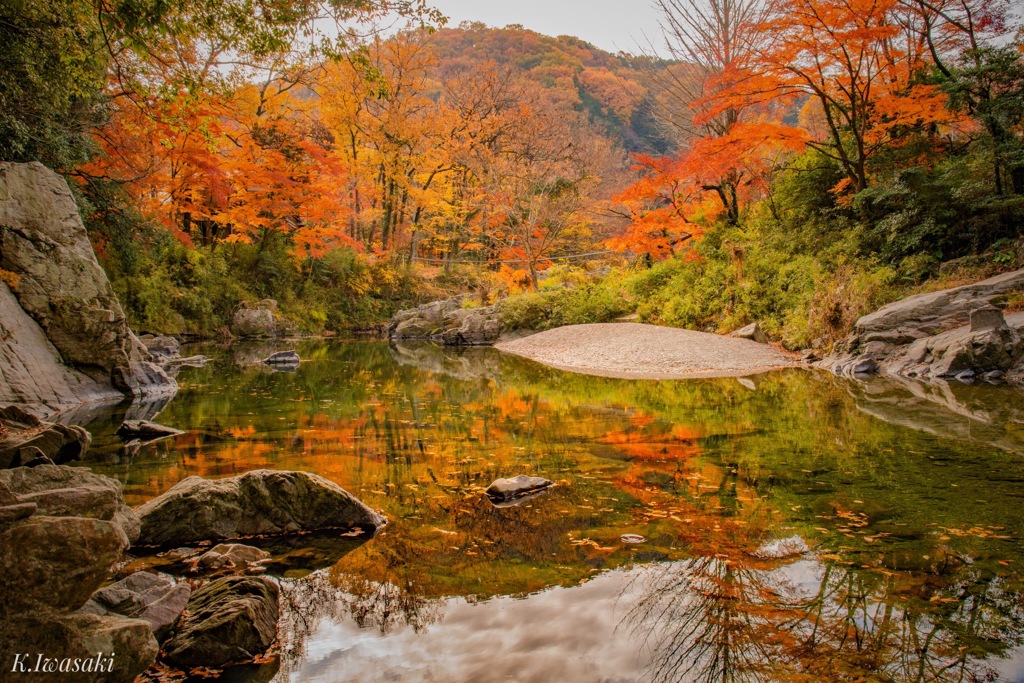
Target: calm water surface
column 797, row 527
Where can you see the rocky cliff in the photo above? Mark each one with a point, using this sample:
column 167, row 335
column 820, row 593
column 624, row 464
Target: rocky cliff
column 959, row 332
column 64, row 339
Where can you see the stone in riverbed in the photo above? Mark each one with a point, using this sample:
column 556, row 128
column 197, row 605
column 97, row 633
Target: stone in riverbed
column 228, row 621
column 154, row 598
column 505, row 489
column 752, row 332
column 145, row 430
column 262, row 502
column 282, row 358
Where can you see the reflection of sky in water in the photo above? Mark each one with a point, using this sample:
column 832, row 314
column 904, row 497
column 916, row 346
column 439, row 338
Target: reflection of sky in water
column 584, row 634
column 561, row 634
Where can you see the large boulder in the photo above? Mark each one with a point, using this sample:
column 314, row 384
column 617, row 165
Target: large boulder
column 924, row 315
column 448, row 322
column 262, row 502
column 258, row 320
column 227, row 621
column 63, row 289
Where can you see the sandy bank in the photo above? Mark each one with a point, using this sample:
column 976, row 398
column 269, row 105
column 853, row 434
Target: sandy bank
column 635, row 351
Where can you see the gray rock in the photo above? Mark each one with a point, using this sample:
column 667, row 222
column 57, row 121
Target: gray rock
column 145, row 430
column 15, row 512
column 927, row 314
column 255, row 503
column 987, row 318
column 257, row 321
column 153, row 598
column 423, row 322
column 951, row 333
column 505, row 489
column 232, row 555
column 228, row 621
column 63, row 289
column 752, row 332
column 472, row 326
column 63, row 490
column 283, row 358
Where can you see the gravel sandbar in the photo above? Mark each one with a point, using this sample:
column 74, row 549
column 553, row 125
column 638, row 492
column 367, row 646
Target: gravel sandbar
column 636, row 351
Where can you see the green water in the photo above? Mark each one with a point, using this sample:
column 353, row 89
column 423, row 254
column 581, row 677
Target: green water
column 797, row 526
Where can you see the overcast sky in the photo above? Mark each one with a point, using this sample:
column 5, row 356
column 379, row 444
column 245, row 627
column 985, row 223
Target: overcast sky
column 609, row 24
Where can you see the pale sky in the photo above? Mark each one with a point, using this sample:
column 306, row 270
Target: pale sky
column 612, row 25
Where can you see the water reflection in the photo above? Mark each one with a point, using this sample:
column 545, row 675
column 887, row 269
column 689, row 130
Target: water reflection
column 906, row 499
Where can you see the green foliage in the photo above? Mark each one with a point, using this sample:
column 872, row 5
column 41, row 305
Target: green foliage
column 52, row 71
column 570, row 298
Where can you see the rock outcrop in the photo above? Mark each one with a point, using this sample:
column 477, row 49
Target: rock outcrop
column 959, row 332
column 61, row 531
column 228, row 621
column 65, row 339
column 449, row 323
column 261, row 502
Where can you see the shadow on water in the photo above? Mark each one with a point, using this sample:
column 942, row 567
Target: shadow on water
column 896, row 506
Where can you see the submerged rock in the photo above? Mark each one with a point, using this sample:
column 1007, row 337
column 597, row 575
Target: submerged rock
column 228, row 621
column 145, row 430
column 255, row 503
column 506, row 489
column 85, row 351
column 153, row 598
column 232, row 555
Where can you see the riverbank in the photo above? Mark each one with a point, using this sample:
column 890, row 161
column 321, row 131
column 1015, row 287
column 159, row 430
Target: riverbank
column 638, row 351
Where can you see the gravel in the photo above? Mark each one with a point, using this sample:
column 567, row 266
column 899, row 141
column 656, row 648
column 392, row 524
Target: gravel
column 636, row 351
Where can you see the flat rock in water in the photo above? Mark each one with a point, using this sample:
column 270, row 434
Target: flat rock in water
column 504, row 489
column 283, row 358
column 262, row 502
column 228, row 621
column 146, row 430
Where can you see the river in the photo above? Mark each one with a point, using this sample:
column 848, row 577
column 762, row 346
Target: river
column 793, row 525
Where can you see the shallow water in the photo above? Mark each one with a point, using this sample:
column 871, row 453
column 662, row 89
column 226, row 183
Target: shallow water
column 797, row 526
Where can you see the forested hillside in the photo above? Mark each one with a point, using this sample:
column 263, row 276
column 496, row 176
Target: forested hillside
column 794, row 163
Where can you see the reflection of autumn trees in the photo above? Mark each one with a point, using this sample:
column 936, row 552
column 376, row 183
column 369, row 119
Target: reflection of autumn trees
column 723, row 618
